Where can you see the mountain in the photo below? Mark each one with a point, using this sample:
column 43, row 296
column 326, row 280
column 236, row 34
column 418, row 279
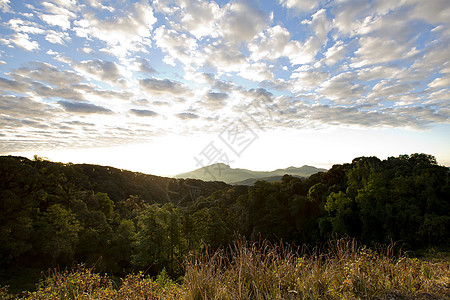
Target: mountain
column 223, row 172
column 251, row 181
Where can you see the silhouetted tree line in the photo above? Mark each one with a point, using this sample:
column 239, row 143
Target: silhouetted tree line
column 54, row 214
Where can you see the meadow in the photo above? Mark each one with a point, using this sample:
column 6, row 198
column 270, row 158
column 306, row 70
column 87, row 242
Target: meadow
column 341, row 269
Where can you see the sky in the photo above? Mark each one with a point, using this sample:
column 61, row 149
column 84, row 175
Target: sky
column 168, row 86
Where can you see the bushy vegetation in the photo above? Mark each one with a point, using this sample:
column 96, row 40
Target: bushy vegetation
column 343, row 269
column 53, row 215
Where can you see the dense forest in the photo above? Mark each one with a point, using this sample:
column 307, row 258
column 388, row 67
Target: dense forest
column 54, row 214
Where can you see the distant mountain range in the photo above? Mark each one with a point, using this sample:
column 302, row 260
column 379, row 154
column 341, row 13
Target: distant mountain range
column 223, row 172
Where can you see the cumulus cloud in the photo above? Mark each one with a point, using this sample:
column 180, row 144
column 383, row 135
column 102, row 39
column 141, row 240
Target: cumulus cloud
column 302, row 53
column 106, row 71
column 434, row 13
column 19, row 25
column 187, row 116
column 163, row 86
column 137, row 22
column 256, row 72
column 57, row 20
column 335, row 53
column 24, row 107
column 143, row 112
column 320, row 24
column 342, row 88
column 350, row 14
column 84, row 108
column 49, row 92
column 375, row 50
column 223, row 57
column 126, row 31
column 306, row 79
column 440, row 82
column 22, row 40
column 215, row 100
column 13, row 86
column 46, row 72
column 55, row 37
column 270, row 44
column 144, row 66
column 300, row 5
column 242, row 21
column 4, row 6
column 387, row 89
column 178, row 45
column 199, row 17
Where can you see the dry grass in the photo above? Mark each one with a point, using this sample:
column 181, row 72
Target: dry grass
column 346, row 270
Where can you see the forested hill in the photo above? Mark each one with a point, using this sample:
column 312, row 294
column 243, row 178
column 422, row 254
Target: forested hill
column 54, row 214
column 61, row 180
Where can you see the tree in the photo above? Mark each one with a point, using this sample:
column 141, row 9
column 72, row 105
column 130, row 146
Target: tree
column 59, row 230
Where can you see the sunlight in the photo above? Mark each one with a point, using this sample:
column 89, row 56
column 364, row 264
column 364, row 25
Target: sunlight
column 161, row 157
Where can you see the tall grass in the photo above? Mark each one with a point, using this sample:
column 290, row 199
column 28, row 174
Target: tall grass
column 343, row 269
column 346, row 270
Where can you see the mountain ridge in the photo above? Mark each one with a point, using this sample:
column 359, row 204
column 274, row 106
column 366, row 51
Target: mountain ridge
column 229, row 175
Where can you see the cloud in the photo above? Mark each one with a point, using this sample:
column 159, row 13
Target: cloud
column 13, row 86
column 144, row 66
column 49, row 92
column 335, row 53
column 224, row 57
column 143, row 112
column 376, row 50
column 214, row 100
column 4, row 6
column 55, row 37
column 270, row 44
column 48, row 73
column 102, row 71
column 83, row 108
column 24, row 107
column 387, row 89
column 163, row 86
column 178, row 45
column 302, row 53
column 242, row 20
column 305, row 79
column 103, row 93
column 199, row 17
column 127, row 30
column 434, row 13
column 342, row 88
column 350, row 14
column 440, row 82
column 300, row 5
column 187, row 116
column 57, row 20
column 23, row 41
column 256, row 72
column 19, row 25
column 300, row 115
column 320, row 24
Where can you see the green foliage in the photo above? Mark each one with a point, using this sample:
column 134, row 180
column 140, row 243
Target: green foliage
column 59, row 230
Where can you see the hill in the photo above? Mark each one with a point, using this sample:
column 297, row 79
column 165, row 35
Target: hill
column 117, row 183
column 225, row 173
column 252, row 181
